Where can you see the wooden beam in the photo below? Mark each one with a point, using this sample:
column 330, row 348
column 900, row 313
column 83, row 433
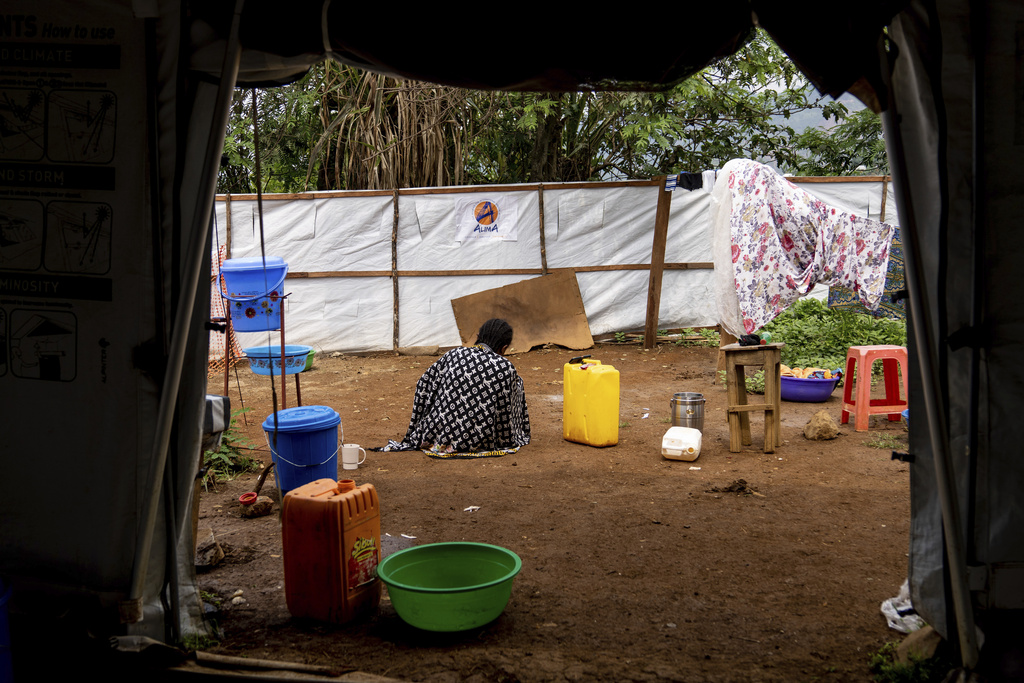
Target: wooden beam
column 885, row 193
column 227, row 226
column 839, row 179
column 543, row 246
column 526, row 187
column 300, row 274
column 460, row 189
column 657, row 265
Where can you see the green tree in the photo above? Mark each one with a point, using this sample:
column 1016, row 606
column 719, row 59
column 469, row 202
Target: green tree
column 341, row 128
column 854, row 146
column 287, row 127
column 376, row 132
column 737, row 108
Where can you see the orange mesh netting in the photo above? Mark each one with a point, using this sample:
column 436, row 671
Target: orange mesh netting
column 218, row 313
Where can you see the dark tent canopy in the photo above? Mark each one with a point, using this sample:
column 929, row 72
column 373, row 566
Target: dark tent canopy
column 945, row 74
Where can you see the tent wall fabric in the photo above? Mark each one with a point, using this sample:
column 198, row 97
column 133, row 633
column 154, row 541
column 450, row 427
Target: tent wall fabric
column 339, row 250
column 79, row 349
column 955, row 150
column 112, row 194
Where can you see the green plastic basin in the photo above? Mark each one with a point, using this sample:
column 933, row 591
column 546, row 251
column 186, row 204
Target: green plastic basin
column 450, row 586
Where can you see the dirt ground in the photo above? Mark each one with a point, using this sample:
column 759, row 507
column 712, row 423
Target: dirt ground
column 635, row 568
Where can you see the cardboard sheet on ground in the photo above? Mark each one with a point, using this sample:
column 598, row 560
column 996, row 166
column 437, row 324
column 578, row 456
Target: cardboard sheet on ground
column 542, row 310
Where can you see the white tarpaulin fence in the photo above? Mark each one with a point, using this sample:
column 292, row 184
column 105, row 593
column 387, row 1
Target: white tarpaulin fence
column 339, row 248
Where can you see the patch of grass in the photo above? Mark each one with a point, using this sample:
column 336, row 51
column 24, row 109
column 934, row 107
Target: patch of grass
column 886, row 669
column 197, row 641
column 210, row 598
column 623, row 424
column 755, row 383
column 708, row 337
column 885, row 441
column 228, row 461
column 666, row 420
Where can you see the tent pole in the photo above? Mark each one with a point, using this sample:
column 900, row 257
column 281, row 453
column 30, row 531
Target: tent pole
column 657, row 265
column 131, row 608
column 919, row 315
column 284, row 385
column 394, row 272
column 227, row 307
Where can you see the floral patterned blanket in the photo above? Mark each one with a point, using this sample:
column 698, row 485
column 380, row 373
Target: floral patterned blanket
column 774, row 242
column 469, row 403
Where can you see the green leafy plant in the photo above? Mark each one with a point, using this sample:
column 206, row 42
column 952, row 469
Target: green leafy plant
column 711, row 335
column 195, row 641
column 755, row 383
column 708, row 336
column 623, row 424
column 210, row 598
column 818, row 336
column 887, row 669
column 228, row 460
column 620, row 337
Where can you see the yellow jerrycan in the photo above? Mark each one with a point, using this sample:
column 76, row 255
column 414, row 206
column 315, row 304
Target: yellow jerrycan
column 590, row 402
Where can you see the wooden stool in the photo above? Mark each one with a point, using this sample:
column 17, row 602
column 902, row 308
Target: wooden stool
column 861, row 358
column 766, row 356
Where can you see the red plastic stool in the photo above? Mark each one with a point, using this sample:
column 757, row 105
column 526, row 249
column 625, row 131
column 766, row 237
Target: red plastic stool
column 862, row 358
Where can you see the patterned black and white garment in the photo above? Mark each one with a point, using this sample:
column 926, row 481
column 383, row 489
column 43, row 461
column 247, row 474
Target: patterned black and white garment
column 469, row 403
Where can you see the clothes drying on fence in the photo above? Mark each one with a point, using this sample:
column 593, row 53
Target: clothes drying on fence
column 690, row 181
column 469, row 403
column 773, row 242
column 895, row 282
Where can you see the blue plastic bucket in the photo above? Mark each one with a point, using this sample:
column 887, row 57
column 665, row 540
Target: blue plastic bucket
column 266, row 360
column 6, row 668
column 254, row 293
column 307, row 445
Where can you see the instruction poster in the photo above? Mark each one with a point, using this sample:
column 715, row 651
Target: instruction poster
column 76, row 287
column 72, row 170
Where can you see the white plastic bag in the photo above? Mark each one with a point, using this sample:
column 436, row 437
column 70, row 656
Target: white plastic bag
column 900, row 613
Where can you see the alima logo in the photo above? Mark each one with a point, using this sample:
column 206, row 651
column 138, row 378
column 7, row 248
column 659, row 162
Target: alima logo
column 486, row 215
column 486, row 218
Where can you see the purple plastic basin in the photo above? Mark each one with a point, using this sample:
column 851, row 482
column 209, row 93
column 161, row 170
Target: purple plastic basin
column 807, row 390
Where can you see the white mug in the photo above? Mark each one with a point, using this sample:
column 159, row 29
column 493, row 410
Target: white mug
column 350, row 456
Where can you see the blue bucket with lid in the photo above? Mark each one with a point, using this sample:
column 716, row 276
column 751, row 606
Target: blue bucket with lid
column 306, row 448
column 254, row 292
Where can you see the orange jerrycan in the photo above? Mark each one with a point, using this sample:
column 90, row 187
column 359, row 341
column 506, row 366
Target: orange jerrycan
column 590, row 402
column 331, row 536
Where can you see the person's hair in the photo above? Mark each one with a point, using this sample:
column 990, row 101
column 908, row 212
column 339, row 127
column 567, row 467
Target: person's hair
column 496, row 333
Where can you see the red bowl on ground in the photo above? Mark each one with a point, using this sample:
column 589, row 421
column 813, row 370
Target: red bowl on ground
column 807, row 390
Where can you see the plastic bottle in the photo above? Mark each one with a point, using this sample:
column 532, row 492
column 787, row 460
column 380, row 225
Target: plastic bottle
column 681, row 443
column 331, row 537
column 590, row 403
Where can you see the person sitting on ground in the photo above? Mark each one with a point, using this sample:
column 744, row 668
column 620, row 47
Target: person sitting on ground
column 470, row 402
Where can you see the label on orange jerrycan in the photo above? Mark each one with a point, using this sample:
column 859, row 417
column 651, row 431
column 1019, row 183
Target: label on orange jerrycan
column 331, row 537
column 590, row 402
